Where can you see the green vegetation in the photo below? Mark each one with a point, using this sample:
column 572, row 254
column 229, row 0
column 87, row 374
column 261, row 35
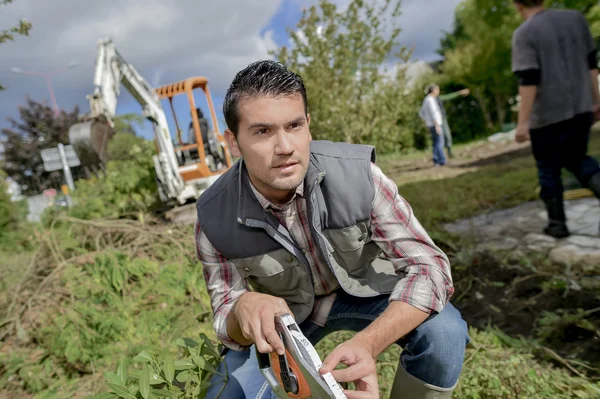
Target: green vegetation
column 107, row 305
column 128, row 186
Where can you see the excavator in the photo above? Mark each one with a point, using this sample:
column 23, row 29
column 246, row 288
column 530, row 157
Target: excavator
column 184, row 170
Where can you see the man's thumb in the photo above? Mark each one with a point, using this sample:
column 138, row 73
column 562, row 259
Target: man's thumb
column 330, row 362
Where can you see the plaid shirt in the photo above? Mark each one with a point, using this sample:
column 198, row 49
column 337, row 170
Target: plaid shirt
column 426, row 283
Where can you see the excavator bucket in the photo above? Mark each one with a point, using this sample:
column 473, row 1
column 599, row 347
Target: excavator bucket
column 90, row 141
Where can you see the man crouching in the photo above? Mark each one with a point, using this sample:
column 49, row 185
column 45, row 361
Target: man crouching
column 315, row 229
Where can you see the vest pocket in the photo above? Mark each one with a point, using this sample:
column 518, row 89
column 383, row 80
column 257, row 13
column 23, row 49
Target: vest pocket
column 352, row 249
column 276, row 273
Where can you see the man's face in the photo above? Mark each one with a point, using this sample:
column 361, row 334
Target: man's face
column 436, row 91
column 274, row 139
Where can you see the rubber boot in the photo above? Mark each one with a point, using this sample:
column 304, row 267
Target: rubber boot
column 407, row 386
column 595, row 187
column 557, row 226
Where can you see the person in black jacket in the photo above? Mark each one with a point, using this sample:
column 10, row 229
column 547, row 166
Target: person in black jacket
column 555, row 58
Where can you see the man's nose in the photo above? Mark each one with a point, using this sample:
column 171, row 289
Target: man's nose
column 283, row 145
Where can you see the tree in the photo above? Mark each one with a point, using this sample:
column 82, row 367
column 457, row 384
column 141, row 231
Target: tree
column 37, row 129
column 342, row 57
column 22, row 28
column 125, row 136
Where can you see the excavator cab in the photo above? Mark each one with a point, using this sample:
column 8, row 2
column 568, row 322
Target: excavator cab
column 201, row 152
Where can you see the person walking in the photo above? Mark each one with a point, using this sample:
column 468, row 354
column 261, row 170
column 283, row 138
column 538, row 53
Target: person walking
column 431, row 114
column 554, row 57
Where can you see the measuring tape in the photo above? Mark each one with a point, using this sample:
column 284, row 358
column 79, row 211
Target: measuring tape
column 295, row 375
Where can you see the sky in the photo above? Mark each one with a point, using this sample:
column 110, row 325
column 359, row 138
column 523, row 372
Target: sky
column 165, row 41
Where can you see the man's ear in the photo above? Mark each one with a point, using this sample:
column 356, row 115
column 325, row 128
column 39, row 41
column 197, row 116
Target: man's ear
column 232, row 143
column 308, row 122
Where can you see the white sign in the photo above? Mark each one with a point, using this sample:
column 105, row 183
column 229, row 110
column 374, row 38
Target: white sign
column 52, row 159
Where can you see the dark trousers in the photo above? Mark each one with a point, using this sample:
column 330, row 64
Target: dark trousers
column 563, row 145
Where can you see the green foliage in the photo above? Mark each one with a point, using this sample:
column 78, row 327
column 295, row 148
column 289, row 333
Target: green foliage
column 106, row 307
column 481, row 57
column 22, row 29
column 342, row 56
column 15, row 233
column 125, row 138
column 499, row 367
column 496, row 366
column 127, row 189
column 163, row 376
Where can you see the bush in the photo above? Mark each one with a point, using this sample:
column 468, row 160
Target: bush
column 127, row 189
column 15, row 232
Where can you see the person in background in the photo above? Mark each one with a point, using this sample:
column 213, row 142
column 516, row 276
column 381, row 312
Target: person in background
column 554, row 56
column 203, row 128
column 441, row 98
column 431, row 114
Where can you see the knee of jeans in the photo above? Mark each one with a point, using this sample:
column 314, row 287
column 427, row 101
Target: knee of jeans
column 439, row 350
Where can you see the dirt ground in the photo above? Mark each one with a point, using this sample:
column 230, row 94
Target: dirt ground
column 467, row 158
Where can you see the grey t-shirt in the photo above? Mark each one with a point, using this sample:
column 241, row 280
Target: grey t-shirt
column 557, row 42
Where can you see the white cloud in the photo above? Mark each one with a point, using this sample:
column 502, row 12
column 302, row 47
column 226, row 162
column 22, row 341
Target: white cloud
column 165, row 41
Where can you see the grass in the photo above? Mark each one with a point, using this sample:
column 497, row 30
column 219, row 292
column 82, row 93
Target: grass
column 119, row 290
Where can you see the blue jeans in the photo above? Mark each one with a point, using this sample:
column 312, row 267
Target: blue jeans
column 433, row 352
column 437, row 141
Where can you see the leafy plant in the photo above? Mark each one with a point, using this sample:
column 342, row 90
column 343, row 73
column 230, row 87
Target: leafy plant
column 163, row 376
column 344, row 57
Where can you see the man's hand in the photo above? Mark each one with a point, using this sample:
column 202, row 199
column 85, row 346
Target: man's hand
column 465, row 92
column 522, row 133
column 438, row 129
column 361, row 369
column 255, row 314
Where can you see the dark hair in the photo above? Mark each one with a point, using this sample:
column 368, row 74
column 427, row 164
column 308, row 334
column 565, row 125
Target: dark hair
column 261, row 78
column 530, row 3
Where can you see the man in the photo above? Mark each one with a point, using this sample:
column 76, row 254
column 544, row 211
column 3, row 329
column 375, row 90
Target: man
column 431, row 114
column 315, row 229
column 441, row 98
column 203, row 122
column 554, row 56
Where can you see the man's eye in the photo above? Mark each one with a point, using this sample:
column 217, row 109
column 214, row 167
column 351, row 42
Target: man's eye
column 261, row 131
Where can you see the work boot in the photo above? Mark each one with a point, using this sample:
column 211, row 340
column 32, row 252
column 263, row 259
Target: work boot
column 595, row 187
column 557, row 226
column 407, row 386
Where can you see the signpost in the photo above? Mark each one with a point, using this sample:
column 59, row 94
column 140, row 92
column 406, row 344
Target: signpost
column 61, row 157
